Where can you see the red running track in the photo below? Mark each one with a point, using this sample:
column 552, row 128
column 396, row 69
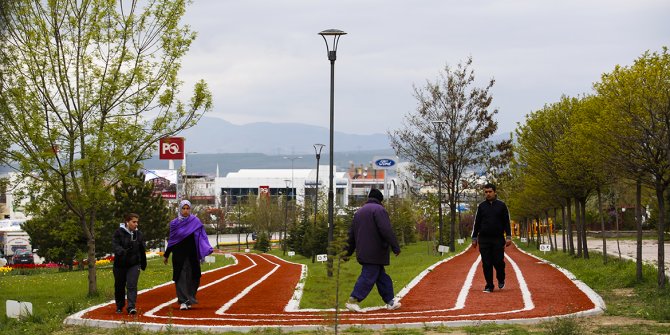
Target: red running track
column 264, row 291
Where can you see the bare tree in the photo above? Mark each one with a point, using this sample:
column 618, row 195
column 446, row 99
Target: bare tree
column 465, row 125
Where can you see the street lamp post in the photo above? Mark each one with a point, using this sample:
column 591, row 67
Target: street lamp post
column 317, row 150
column 287, row 181
column 184, row 194
column 438, row 130
column 332, row 56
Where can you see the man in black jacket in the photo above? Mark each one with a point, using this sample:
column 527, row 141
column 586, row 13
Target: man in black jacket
column 491, row 221
column 129, row 257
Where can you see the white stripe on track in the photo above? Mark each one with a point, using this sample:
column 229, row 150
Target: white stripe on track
column 163, row 305
column 465, row 289
column 248, row 289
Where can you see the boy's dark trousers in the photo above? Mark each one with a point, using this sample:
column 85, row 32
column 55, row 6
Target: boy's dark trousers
column 126, row 278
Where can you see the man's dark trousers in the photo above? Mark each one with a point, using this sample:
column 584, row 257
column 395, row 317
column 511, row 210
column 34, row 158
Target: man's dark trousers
column 126, row 277
column 372, row 274
column 493, row 256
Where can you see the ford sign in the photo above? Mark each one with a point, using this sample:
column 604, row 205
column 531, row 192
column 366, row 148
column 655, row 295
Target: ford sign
column 385, row 163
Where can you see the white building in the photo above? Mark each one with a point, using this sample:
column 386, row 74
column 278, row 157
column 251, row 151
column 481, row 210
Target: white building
column 9, row 209
column 300, row 183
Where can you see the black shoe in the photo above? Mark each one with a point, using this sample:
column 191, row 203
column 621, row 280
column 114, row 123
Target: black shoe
column 501, row 284
column 119, row 311
column 132, row 311
column 488, row 289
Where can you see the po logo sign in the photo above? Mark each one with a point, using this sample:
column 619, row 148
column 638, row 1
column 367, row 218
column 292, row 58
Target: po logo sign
column 171, row 148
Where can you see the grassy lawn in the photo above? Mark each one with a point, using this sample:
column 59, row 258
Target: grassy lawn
column 632, row 308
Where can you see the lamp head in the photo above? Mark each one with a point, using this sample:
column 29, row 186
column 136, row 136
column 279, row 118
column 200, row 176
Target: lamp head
column 332, row 48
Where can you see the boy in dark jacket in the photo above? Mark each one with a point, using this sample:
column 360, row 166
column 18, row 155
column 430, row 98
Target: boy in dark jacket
column 129, row 257
column 372, row 236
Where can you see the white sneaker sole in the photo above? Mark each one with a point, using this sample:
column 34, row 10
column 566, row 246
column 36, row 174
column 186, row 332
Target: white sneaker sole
column 354, row 308
column 393, row 307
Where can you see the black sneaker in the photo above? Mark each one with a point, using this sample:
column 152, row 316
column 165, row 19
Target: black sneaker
column 119, row 311
column 132, row 311
column 501, row 284
column 488, row 289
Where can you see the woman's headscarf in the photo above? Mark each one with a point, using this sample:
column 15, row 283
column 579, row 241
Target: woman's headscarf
column 181, row 205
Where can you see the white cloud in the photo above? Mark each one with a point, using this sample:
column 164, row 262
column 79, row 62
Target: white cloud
column 264, row 60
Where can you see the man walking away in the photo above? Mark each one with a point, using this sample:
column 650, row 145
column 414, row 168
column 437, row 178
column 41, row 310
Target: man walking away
column 372, row 236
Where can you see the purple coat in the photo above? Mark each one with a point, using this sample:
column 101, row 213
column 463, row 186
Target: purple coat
column 371, row 234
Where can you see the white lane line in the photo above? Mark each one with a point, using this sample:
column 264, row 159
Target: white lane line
column 465, row 289
column 246, row 291
column 151, row 313
column 525, row 292
column 293, row 304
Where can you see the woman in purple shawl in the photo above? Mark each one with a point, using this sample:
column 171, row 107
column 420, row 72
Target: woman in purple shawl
column 188, row 244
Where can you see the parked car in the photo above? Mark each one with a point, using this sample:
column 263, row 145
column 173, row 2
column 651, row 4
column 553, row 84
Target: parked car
column 23, row 256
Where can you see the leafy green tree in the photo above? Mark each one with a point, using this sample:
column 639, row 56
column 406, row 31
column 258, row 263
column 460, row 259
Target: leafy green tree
column 54, row 232
column 637, row 107
column 535, row 161
column 88, row 88
column 464, row 123
column 136, row 196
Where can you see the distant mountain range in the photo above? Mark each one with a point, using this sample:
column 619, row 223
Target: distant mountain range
column 231, row 162
column 215, row 135
column 214, row 141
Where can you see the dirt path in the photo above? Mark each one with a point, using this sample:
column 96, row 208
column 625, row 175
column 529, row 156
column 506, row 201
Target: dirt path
column 264, row 291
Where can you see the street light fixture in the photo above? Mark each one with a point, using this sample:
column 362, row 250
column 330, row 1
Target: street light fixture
column 332, row 56
column 438, row 130
column 292, row 160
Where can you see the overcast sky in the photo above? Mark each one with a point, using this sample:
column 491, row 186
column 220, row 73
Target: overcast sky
column 265, row 62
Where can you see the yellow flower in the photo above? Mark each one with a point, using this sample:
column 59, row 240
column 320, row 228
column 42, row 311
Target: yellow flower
column 102, row 262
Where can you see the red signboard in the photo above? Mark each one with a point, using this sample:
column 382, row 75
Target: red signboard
column 171, row 148
column 264, row 191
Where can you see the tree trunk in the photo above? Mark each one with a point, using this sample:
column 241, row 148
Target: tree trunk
column 452, row 228
column 92, row 278
column 554, row 226
column 538, row 232
column 661, row 238
column 571, row 243
column 578, row 221
column 602, row 225
column 638, row 222
column 564, row 232
column 546, row 216
column 582, row 206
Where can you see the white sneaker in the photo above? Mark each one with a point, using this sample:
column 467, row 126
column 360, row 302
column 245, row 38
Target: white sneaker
column 393, row 305
column 354, row 307
column 183, row 307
